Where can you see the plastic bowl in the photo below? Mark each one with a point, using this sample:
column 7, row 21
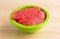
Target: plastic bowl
column 29, row 29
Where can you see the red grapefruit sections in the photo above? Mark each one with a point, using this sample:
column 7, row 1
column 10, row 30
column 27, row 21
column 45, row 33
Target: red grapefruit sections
column 29, row 16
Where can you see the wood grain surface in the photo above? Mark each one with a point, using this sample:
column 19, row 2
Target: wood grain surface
column 50, row 31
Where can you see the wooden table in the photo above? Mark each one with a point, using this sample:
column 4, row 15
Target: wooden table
column 50, row 31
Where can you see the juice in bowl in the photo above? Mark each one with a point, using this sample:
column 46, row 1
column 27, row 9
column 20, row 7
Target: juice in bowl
column 29, row 18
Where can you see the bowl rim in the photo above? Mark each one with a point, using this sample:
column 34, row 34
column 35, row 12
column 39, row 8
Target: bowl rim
column 24, row 26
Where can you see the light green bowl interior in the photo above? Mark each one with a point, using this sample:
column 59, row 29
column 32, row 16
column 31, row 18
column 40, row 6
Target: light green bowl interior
column 24, row 27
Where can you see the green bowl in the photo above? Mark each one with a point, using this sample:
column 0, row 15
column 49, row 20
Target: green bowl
column 30, row 29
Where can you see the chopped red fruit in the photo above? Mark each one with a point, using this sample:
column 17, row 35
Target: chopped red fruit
column 29, row 16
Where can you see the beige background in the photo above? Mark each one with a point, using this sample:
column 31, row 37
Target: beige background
column 8, row 31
